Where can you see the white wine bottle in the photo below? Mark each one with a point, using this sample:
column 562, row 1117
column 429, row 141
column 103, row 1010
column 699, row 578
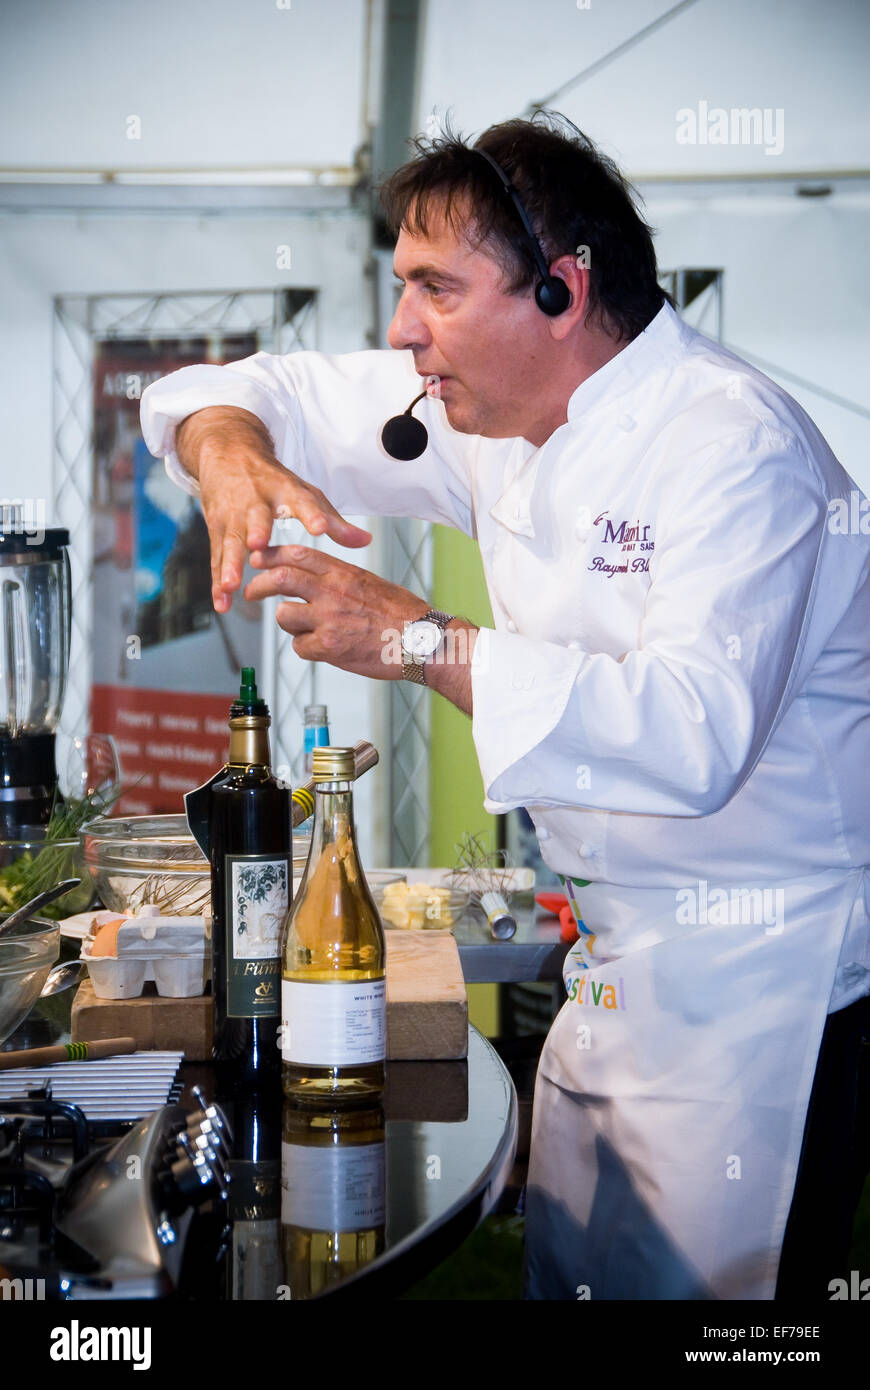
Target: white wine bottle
column 333, row 986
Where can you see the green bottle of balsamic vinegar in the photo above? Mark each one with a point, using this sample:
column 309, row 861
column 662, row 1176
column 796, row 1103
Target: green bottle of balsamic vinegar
column 250, row 848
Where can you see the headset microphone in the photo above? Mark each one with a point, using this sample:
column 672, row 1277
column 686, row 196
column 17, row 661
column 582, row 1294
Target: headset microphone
column 403, row 437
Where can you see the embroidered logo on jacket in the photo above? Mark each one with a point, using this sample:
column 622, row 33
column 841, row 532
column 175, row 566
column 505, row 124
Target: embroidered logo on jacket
column 595, row 993
column 628, row 535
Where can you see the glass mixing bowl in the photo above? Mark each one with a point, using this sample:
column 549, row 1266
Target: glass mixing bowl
column 27, row 867
column 26, row 956
column 155, row 859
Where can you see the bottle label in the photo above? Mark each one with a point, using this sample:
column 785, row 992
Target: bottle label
column 340, row 1188
column 333, row 1023
column 257, row 901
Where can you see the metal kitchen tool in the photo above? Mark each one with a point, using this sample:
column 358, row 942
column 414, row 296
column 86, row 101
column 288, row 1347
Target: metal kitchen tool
column 21, row 914
column 483, row 874
column 62, row 977
column 365, row 756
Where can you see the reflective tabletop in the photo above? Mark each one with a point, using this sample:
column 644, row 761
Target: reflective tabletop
column 364, row 1201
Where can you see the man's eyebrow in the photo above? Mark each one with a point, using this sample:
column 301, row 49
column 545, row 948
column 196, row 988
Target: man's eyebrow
column 429, row 272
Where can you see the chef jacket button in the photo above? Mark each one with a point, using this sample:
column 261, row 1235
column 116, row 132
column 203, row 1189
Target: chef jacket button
column 543, row 833
column 586, row 851
column 511, row 625
column 627, row 422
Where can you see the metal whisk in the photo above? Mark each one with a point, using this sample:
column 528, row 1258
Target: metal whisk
column 481, row 873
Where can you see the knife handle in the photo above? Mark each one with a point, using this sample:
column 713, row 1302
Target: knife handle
column 365, row 755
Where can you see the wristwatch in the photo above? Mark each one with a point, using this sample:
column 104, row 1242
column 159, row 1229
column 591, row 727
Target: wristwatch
column 420, row 642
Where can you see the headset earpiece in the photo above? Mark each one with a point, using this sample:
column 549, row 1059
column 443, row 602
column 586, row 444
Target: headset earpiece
column 552, row 295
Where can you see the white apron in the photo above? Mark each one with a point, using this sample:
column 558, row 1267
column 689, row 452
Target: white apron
column 673, row 1088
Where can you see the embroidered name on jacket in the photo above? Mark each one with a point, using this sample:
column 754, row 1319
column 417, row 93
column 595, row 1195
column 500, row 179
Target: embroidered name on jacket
column 628, row 535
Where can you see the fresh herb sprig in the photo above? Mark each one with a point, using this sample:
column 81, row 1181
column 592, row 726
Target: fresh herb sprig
column 31, row 873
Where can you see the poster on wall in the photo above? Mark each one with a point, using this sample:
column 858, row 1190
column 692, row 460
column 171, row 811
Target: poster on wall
column 165, row 665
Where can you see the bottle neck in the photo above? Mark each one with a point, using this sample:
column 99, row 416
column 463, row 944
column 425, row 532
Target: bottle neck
column 249, row 741
column 333, row 829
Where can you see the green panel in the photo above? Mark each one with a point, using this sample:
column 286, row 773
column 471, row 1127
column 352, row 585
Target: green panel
column 455, row 783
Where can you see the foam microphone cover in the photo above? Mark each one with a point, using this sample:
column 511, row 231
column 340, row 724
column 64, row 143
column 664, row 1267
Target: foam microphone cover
column 404, row 437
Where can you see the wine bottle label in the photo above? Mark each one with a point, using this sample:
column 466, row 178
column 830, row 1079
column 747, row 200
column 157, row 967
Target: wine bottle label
column 333, row 1023
column 257, row 897
column 340, row 1188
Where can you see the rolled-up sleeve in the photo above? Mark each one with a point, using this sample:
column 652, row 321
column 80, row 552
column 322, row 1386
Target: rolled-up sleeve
column 728, row 630
column 324, row 414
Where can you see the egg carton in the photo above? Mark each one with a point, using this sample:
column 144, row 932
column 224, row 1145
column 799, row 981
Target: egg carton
column 174, row 952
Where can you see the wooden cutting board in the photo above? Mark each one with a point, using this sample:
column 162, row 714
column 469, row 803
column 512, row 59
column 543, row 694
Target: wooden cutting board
column 427, row 1007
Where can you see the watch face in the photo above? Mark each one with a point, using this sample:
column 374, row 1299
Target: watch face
column 421, row 639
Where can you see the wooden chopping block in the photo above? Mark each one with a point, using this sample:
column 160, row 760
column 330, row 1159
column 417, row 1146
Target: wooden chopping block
column 427, row 1007
column 157, row 1023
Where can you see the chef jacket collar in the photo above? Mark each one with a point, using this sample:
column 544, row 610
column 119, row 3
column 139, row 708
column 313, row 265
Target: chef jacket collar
column 659, row 343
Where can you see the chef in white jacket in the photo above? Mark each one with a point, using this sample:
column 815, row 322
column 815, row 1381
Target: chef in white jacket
column 676, row 686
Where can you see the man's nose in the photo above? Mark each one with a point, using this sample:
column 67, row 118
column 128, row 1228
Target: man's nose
column 407, row 329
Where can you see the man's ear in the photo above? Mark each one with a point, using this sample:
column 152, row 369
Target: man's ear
column 574, row 270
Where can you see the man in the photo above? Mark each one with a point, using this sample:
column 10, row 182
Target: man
column 676, row 686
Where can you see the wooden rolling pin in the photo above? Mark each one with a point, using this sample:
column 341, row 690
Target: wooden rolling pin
column 365, row 755
column 66, row 1052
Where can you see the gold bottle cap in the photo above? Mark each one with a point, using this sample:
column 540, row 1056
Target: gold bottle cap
column 332, row 764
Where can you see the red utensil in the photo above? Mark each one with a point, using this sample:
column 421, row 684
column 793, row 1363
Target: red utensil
column 569, row 930
column 552, row 902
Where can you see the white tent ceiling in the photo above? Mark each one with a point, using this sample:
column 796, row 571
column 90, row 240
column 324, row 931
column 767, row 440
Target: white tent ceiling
column 276, row 83
column 488, row 61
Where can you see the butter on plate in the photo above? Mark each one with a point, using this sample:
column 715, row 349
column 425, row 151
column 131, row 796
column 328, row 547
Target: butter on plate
column 415, row 905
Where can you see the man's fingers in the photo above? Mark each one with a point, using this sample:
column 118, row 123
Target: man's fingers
column 232, row 564
column 319, row 517
column 295, row 618
column 282, row 579
column 259, row 523
column 345, row 533
column 301, row 556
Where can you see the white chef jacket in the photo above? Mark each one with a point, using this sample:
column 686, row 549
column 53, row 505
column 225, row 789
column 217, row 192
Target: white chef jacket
column 677, row 686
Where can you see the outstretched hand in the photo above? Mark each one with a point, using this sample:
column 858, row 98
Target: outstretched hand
column 244, row 489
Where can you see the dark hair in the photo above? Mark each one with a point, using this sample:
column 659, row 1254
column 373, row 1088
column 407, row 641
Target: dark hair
column 573, row 194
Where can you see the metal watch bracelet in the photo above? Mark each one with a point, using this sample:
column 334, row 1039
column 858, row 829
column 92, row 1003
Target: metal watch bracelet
column 413, row 670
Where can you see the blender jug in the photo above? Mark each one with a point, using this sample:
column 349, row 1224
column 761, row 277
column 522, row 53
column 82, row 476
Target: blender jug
column 35, row 616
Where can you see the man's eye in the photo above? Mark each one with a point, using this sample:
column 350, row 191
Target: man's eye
column 433, row 289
